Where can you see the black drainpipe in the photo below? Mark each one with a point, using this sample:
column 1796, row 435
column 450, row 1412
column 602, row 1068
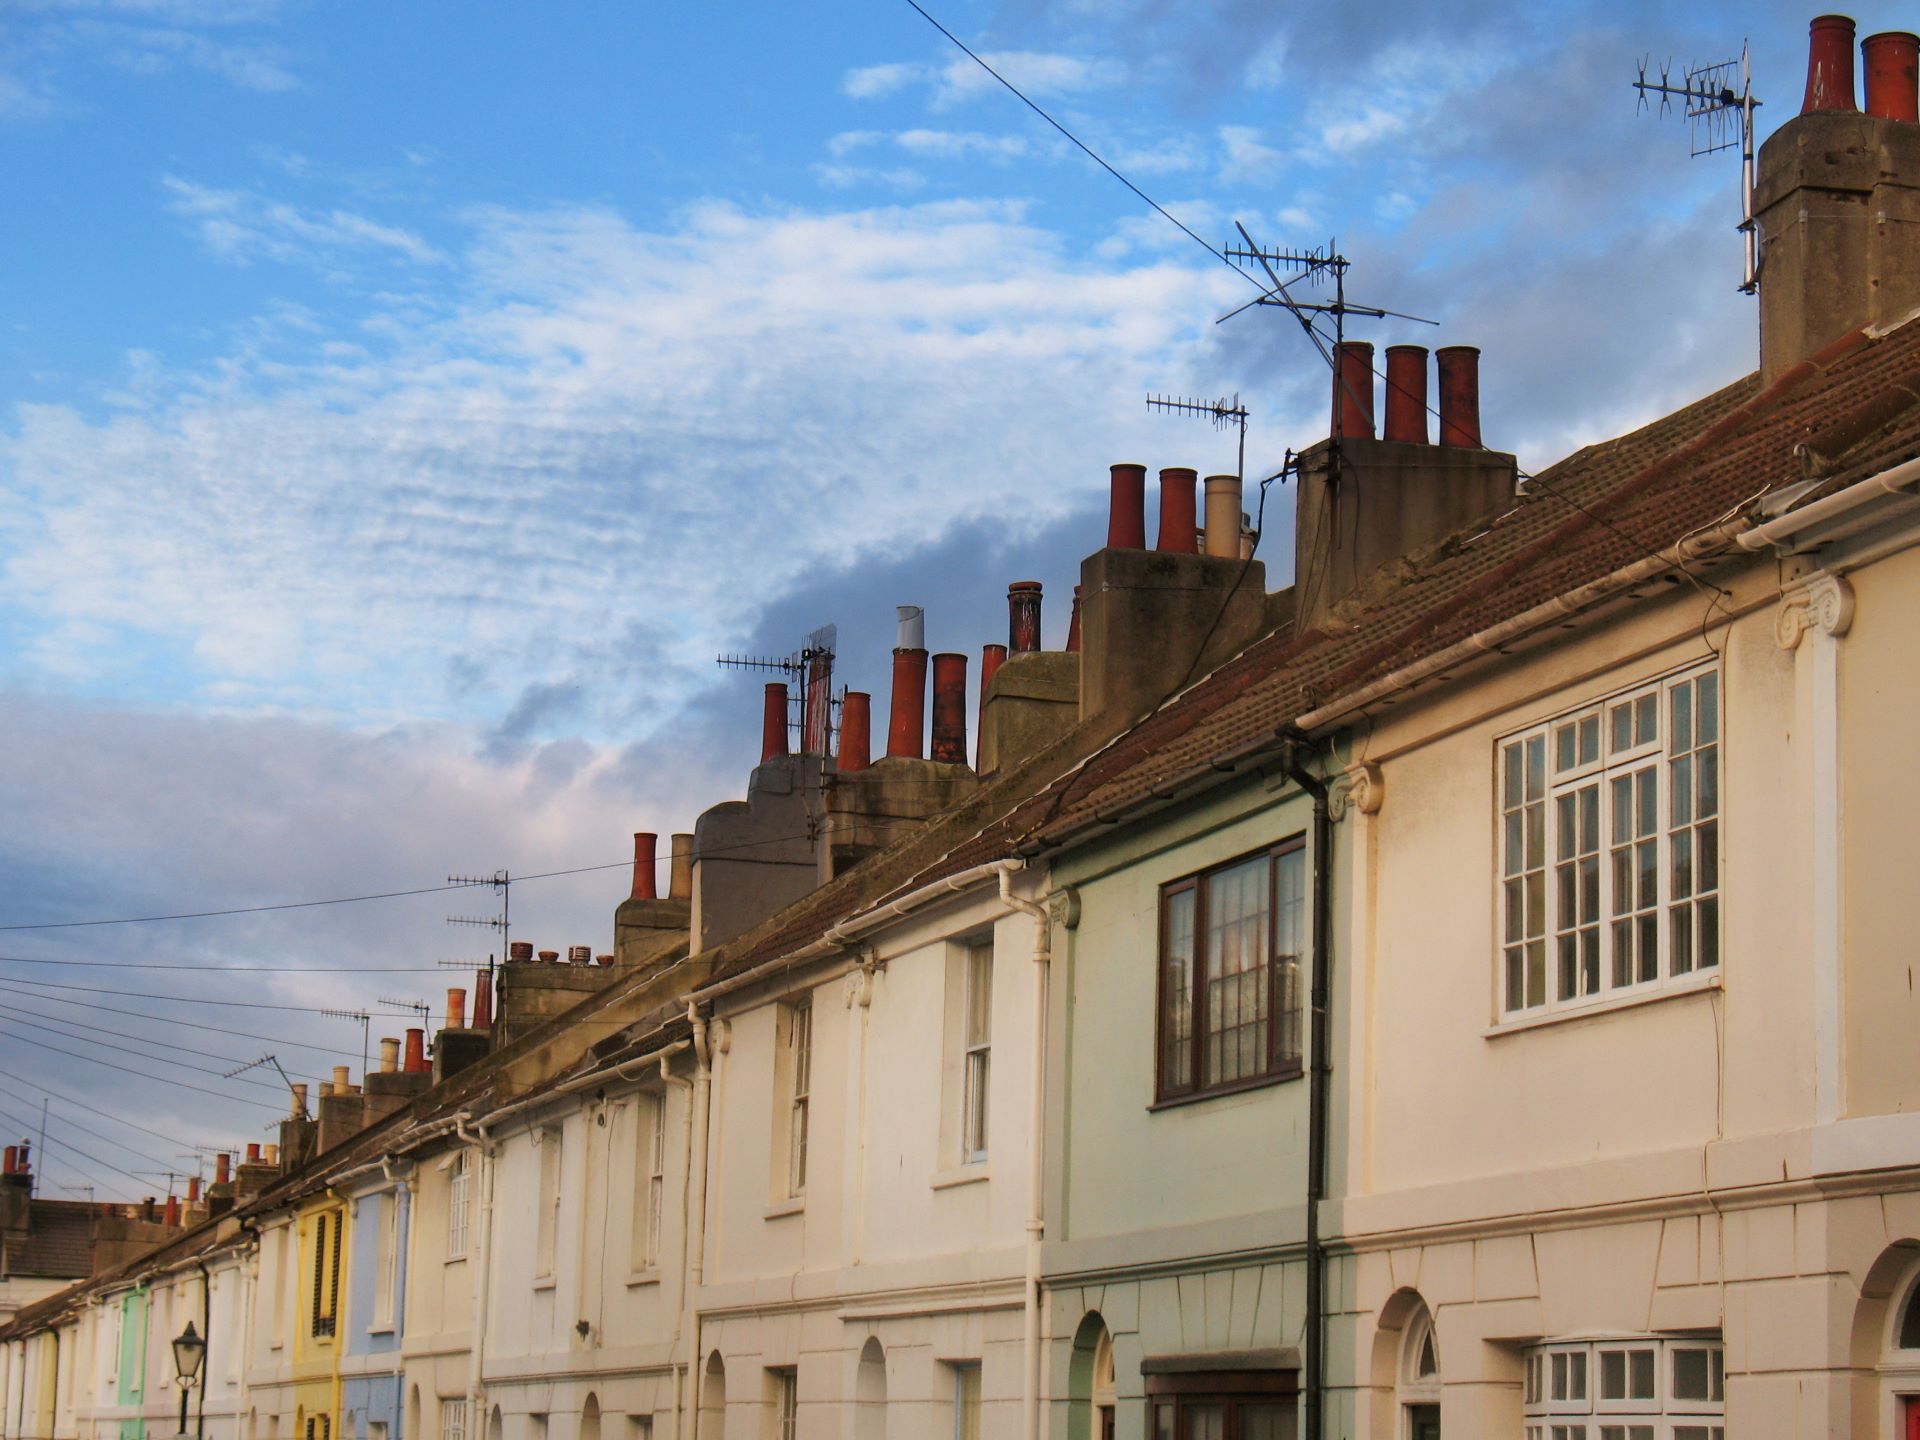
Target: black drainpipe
column 1293, row 760
column 206, row 1356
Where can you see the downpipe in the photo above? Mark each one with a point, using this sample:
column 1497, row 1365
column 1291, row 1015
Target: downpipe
column 1036, row 1144
column 1294, row 756
column 694, row 1228
column 483, row 1257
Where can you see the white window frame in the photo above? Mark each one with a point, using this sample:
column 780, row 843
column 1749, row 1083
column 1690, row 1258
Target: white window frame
column 786, row 1415
column 966, row 1399
column 976, row 1050
column 458, row 1186
column 453, row 1419
column 1592, row 1416
column 1586, row 802
column 546, row 1238
column 650, row 1167
column 798, row 1017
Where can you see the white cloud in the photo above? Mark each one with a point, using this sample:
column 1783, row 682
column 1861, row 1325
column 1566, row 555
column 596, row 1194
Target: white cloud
column 852, row 177
column 1247, row 158
column 960, row 144
column 1038, row 74
column 871, row 82
column 241, row 226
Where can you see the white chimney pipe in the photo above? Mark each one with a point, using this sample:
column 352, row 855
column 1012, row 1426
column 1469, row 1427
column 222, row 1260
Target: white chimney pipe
column 913, row 628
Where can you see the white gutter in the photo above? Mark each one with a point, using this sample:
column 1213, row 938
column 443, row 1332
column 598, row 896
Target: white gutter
column 838, row 936
column 1832, row 507
column 1496, row 637
column 619, row 1072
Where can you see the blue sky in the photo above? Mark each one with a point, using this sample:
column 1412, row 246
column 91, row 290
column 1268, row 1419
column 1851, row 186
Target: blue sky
column 400, row 405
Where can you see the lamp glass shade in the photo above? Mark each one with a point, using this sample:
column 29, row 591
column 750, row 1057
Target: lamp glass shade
column 188, row 1351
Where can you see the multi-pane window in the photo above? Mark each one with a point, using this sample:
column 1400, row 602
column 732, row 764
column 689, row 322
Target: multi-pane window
column 457, row 1184
column 1610, row 846
column 1230, row 942
column 326, row 1273
column 1635, row 1388
column 978, row 1042
column 786, row 1384
column 650, row 1165
column 547, row 1222
column 966, row 1401
column 453, row 1420
column 1254, row 1405
column 799, row 1019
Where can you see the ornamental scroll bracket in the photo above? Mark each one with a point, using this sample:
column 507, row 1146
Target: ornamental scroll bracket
column 1823, row 602
column 1359, row 787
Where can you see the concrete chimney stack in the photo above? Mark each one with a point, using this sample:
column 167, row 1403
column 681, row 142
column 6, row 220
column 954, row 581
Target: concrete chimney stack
column 1836, row 199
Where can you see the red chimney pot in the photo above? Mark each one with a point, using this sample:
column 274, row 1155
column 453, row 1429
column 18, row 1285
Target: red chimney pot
column 949, row 709
column 253, row 1153
column 907, row 724
column 482, row 1000
column 1829, row 65
column 1407, row 394
column 456, row 1009
column 1179, row 526
column 1127, row 513
column 13, row 1157
column 1023, row 617
column 1459, row 395
column 222, row 1168
column 1353, row 390
column 1891, row 60
column 644, row 843
column 193, row 1190
column 856, row 732
column 172, row 1216
column 773, row 722
column 416, row 1061
column 992, row 657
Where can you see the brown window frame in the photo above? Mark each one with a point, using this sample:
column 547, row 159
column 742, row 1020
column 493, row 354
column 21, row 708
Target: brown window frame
column 1228, row 1389
column 1279, row 1065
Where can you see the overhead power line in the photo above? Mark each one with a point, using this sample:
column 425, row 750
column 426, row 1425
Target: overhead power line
column 146, row 1074
column 86, row 1130
column 76, row 1150
column 253, row 1035
column 57, row 1025
column 42, row 1086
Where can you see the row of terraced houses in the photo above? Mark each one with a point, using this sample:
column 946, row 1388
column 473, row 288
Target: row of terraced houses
column 1468, row 991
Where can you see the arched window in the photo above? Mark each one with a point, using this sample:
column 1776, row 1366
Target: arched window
column 1090, row 1407
column 1420, row 1376
column 870, row 1393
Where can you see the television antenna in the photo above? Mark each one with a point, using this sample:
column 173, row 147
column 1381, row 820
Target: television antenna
column 1221, row 412
column 1719, row 117
column 366, row 1030
column 418, row 1007
column 502, row 882
column 273, row 1060
column 810, row 669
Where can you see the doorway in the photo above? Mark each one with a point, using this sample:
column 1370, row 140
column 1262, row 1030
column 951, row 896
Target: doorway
column 1423, row 1422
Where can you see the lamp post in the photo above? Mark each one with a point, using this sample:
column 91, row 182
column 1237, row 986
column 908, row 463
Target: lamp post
column 189, row 1351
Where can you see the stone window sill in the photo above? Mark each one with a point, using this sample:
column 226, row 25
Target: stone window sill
column 1700, row 983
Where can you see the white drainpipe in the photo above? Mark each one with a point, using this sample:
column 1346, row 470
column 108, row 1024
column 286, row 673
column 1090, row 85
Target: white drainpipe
column 681, row 1369
column 1036, row 1142
column 695, row 1238
column 483, row 1257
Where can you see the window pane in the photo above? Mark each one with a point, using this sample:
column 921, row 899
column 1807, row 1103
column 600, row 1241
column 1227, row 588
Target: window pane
column 1622, row 721
column 1564, row 740
column 1206, row 1422
column 1163, row 1422
column 1690, row 1375
column 1646, row 719
column 1682, row 736
column 1511, row 794
column 1237, row 972
column 979, row 994
column 1266, row 1420
column 1290, row 931
column 1537, row 767
column 1640, row 1380
column 1707, row 687
column 1176, row 999
column 1613, row 1374
column 1589, row 739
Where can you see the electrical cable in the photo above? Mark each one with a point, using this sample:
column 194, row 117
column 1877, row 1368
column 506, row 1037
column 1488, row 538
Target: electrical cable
column 106, row 1114
column 75, row 1149
column 144, row 1074
column 228, row 969
column 51, row 1022
column 85, row 1130
column 169, row 1020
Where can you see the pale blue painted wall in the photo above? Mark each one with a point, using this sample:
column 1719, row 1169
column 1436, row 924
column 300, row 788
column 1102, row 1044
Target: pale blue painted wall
column 374, row 1399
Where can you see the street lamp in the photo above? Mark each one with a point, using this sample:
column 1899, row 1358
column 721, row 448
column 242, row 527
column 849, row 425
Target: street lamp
column 189, row 1352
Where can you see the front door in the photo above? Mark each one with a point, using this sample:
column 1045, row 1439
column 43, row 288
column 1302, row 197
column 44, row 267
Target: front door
column 1423, row 1423
column 1910, row 1417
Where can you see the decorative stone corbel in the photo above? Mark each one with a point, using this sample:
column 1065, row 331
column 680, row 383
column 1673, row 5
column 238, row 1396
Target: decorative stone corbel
column 1360, row 787
column 1822, row 602
column 860, row 981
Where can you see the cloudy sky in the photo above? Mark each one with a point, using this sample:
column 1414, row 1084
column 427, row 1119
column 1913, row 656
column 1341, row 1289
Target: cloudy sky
column 400, row 406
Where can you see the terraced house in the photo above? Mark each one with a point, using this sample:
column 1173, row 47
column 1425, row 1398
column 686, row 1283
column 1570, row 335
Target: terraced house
column 1463, row 992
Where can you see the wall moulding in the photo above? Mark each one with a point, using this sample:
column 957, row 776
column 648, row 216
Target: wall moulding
column 1821, row 602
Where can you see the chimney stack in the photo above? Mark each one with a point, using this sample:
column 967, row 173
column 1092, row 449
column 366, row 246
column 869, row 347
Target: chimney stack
column 1023, row 617
column 907, row 723
column 644, row 843
column 856, row 732
column 773, row 722
column 1407, row 394
column 949, row 709
column 1127, row 512
column 456, row 1009
column 1892, row 63
column 1223, row 517
column 680, row 867
column 482, row 1000
column 416, row 1061
column 1829, row 66
column 1459, row 396
column 1352, row 390
column 1836, row 201
column 389, row 1054
column 1178, row 527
